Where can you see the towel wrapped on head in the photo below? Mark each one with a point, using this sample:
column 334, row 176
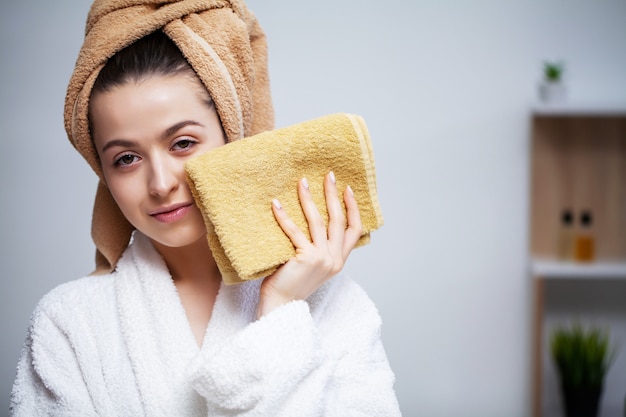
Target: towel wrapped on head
column 233, row 186
column 224, row 44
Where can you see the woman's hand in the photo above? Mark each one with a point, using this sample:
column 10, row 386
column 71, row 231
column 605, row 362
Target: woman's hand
column 318, row 261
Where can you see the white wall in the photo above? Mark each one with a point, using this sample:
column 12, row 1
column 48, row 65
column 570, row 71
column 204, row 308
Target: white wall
column 445, row 88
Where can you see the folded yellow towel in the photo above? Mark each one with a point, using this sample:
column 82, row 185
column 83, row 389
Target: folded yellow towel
column 234, row 185
column 222, row 41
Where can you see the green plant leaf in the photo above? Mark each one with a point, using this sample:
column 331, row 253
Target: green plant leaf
column 553, row 71
column 581, row 356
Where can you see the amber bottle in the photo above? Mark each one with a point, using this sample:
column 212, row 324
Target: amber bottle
column 584, row 244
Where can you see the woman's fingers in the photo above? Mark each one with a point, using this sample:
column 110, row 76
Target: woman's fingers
column 355, row 226
column 343, row 230
column 317, row 226
column 292, row 231
column 336, row 219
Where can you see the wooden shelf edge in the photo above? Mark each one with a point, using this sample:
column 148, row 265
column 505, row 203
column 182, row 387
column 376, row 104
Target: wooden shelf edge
column 555, row 269
column 579, row 109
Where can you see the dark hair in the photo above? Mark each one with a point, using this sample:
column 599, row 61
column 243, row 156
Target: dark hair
column 154, row 54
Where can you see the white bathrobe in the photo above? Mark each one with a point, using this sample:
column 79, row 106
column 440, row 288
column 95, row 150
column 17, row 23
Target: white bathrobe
column 121, row 345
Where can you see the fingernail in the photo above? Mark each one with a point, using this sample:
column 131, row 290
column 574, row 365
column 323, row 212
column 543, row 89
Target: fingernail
column 350, row 190
column 305, row 183
column 332, row 177
column 276, row 204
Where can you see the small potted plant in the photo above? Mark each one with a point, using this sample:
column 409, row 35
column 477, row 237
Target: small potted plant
column 552, row 88
column 582, row 358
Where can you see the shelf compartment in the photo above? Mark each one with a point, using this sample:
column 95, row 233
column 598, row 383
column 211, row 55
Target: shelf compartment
column 579, row 163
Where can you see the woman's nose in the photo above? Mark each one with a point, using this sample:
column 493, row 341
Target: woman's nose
column 164, row 177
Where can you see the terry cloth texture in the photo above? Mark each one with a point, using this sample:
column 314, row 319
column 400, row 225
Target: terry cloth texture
column 224, row 44
column 234, row 185
column 120, row 345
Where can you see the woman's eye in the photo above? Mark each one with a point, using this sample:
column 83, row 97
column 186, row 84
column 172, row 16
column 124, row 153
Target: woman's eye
column 183, row 144
column 126, row 159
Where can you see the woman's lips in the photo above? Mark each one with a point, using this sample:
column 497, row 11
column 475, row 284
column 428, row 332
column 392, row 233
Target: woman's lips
column 171, row 214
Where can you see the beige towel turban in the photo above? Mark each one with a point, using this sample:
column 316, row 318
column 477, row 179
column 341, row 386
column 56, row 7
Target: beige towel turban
column 224, row 44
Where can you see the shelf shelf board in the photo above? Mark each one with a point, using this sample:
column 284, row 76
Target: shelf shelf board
column 555, row 269
column 579, row 109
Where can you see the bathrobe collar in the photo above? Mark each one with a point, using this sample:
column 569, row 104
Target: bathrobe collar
column 155, row 326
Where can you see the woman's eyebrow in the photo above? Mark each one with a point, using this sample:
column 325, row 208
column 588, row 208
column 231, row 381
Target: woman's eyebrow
column 176, row 127
column 118, row 142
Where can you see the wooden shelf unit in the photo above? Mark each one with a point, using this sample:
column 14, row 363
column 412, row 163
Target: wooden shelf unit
column 578, row 162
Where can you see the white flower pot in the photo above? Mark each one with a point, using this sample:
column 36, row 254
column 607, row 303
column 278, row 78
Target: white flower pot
column 552, row 92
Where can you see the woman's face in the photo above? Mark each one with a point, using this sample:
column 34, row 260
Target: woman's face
column 144, row 132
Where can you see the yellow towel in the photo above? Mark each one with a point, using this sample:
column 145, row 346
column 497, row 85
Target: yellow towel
column 224, row 44
column 234, row 185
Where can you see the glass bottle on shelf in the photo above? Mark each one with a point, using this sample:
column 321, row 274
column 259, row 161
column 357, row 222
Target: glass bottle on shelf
column 566, row 236
column 584, row 245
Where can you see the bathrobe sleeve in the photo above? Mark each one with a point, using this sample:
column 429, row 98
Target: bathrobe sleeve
column 61, row 371
column 303, row 359
column 49, row 381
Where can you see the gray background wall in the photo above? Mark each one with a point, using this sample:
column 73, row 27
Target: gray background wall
column 445, row 88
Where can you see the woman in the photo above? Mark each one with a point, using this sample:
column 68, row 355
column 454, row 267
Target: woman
column 155, row 332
